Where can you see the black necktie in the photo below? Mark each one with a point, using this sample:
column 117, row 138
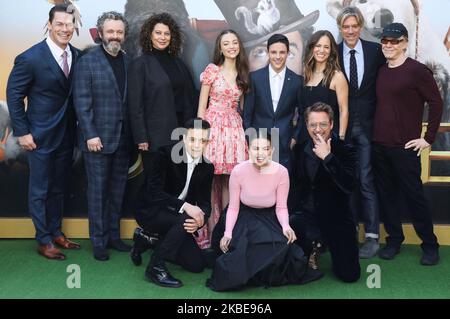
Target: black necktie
column 353, row 72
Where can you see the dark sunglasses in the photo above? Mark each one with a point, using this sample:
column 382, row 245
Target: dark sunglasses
column 392, row 41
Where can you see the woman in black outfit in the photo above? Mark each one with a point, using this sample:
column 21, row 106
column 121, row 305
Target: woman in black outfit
column 324, row 80
column 161, row 94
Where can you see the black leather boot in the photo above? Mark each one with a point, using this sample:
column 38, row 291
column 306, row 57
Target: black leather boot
column 142, row 242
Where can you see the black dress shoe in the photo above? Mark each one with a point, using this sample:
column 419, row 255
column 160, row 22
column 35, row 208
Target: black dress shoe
column 430, row 258
column 119, row 245
column 142, row 242
column 161, row 276
column 388, row 252
column 101, row 254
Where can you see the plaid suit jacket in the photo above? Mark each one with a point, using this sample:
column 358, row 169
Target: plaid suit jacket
column 101, row 110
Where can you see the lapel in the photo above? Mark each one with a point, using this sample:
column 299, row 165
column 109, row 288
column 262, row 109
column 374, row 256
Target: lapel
column 367, row 58
column 266, row 89
column 74, row 61
column 285, row 90
column 311, row 162
column 341, row 59
column 104, row 65
column 54, row 66
column 182, row 170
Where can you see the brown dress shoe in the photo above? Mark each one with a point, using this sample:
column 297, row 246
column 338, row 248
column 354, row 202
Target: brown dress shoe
column 51, row 252
column 63, row 242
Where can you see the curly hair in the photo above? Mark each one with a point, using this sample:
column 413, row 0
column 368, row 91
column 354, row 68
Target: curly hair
column 332, row 64
column 176, row 38
column 111, row 15
column 242, row 79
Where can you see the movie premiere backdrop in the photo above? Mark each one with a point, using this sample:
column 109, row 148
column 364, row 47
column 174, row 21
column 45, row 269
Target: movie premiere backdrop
column 22, row 24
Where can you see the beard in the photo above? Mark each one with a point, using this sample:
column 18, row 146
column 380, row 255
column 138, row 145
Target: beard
column 113, row 46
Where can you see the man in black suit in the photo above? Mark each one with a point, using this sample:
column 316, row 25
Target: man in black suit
column 43, row 75
column 177, row 204
column 100, row 88
column 323, row 181
column 360, row 61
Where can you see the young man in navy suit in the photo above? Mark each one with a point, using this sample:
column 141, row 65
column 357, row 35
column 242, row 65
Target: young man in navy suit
column 272, row 100
column 42, row 75
column 100, row 87
column 360, row 61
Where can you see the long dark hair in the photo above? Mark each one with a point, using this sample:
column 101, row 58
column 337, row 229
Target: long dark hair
column 242, row 78
column 332, row 64
column 175, row 33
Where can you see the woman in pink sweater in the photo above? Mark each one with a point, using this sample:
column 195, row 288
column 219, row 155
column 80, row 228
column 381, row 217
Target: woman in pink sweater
column 257, row 242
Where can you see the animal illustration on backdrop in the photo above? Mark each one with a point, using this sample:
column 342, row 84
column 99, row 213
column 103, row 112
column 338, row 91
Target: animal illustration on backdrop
column 425, row 44
column 77, row 13
column 268, row 13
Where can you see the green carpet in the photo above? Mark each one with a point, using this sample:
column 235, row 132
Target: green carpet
column 25, row 274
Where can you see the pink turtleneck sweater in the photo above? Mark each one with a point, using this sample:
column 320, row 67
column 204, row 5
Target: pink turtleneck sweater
column 258, row 189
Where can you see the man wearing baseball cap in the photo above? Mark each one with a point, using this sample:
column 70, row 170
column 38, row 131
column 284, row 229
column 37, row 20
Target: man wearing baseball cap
column 404, row 85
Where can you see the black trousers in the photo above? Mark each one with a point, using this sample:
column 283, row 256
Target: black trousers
column 340, row 238
column 175, row 244
column 397, row 179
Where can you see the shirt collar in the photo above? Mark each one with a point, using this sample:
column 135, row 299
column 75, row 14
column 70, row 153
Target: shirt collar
column 357, row 48
column 55, row 49
column 190, row 160
column 272, row 72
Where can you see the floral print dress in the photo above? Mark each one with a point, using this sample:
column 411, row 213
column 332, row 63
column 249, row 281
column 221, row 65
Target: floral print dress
column 227, row 146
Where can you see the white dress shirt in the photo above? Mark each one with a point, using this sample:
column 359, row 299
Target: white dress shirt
column 359, row 56
column 57, row 53
column 191, row 163
column 276, row 85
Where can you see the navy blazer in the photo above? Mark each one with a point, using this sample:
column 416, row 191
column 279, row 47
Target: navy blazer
column 37, row 76
column 365, row 99
column 259, row 113
column 99, row 105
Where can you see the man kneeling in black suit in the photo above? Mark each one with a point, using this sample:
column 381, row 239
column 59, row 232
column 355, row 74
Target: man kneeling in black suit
column 177, row 204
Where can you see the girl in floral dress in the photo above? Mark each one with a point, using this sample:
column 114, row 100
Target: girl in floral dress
column 223, row 84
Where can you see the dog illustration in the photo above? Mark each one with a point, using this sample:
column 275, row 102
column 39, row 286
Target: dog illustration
column 269, row 15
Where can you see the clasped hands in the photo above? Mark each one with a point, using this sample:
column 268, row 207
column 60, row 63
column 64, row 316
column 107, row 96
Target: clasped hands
column 191, row 225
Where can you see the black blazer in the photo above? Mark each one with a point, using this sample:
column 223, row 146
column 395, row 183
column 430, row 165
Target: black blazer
column 365, row 99
column 333, row 182
column 151, row 101
column 165, row 181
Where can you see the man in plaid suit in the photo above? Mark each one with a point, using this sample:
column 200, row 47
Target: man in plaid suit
column 100, row 87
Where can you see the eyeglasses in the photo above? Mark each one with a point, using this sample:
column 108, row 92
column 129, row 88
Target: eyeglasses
column 322, row 125
column 391, row 41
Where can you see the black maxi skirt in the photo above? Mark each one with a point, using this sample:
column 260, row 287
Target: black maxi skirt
column 258, row 253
